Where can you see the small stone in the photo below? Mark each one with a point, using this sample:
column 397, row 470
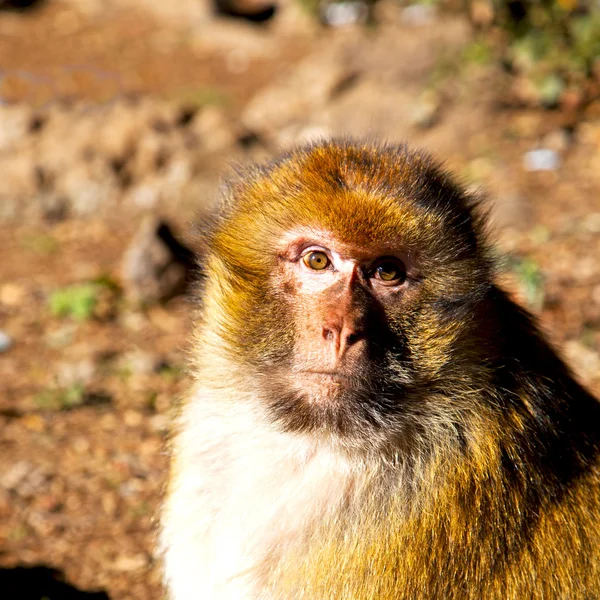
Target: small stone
column 592, row 222
column 133, row 418
column 81, row 445
column 140, row 362
column 88, row 192
column 526, row 125
column 584, row 360
column 130, row 563
column 108, row 422
column 426, row 112
column 342, row 14
column 34, row 422
column 54, row 207
column 61, row 337
column 134, row 321
column 418, row 15
column 41, row 523
column 302, row 92
column 550, row 89
column 49, row 503
column 12, row 294
column 109, row 503
column 542, row 159
column 15, row 474
column 482, row 13
column 75, row 373
column 73, row 502
column 524, row 89
column 213, row 128
column 131, row 487
column 144, row 196
column 160, row 423
column 557, row 140
column 5, row 341
column 14, row 124
column 155, row 267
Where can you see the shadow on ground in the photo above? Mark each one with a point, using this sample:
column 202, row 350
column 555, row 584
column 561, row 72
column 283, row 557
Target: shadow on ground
column 41, row 583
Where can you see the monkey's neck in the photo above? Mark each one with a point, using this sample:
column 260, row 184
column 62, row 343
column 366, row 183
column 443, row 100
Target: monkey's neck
column 277, row 505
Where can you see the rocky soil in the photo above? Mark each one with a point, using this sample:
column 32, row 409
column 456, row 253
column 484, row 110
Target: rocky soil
column 118, row 120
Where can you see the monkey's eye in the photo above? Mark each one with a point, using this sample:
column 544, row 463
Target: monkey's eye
column 316, row 260
column 389, row 271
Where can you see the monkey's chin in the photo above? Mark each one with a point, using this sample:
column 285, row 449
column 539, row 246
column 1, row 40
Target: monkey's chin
column 324, row 386
column 320, row 401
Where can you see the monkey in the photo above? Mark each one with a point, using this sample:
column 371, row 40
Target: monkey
column 371, row 416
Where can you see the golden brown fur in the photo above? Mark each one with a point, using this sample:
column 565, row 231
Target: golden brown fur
column 460, row 461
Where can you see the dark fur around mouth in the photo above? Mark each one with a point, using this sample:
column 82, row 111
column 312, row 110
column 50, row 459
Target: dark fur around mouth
column 359, row 403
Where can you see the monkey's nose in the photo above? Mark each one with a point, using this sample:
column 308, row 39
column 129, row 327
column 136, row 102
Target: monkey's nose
column 341, row 336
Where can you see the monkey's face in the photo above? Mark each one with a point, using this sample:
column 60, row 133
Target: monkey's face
column 340, row 281
column 347, row 359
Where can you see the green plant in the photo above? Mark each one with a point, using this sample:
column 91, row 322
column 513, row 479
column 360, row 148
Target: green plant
column 171, row 372
column 40, row 244
column 198, row 97
column 478, row 52
column 76, row 301
column 554, row 43
column 531, row 280
column 61, row 398
column 80, row 301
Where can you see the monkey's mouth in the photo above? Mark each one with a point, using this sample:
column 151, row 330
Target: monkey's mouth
column 334, row 375
column 333, row 400
column 324, row 372
column 326, row 380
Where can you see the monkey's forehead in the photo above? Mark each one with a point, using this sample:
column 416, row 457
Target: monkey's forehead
column 294, row 242
column 270, row 218
column 362, row 194
column 352, row 183
column 351, row 215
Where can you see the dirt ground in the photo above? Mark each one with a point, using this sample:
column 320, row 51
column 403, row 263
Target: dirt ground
column 125, row 99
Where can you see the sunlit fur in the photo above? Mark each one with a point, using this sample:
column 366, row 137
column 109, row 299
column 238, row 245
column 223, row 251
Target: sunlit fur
column 463, row 462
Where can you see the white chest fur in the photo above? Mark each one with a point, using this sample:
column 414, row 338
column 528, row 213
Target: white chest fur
column 239, row 491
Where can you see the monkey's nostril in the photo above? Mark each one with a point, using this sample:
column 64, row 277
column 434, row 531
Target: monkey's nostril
column 352, row 338
column 327, row 334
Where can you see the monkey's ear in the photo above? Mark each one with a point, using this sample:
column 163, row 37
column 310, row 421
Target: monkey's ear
column 231, row 189
column 208, row 220
column 242, row 177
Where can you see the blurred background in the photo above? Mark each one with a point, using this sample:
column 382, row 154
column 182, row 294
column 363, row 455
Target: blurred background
column 118, row 119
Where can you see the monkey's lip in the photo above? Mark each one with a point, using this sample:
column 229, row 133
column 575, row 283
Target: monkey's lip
column 334, row 376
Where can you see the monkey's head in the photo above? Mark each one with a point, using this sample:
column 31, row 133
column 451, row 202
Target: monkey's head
column 341, row 282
